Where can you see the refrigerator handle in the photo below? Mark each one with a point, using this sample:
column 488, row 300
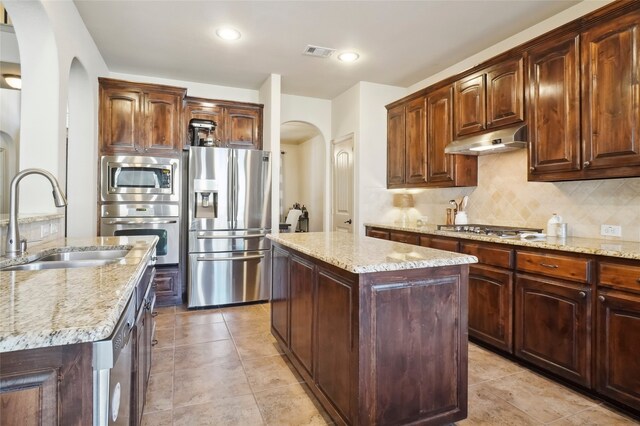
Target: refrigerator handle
column 230, row 190
column 225, row 259
column 235, row 189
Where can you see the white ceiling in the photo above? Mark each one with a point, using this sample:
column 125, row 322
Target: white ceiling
column 400, row 42
column 297, row 132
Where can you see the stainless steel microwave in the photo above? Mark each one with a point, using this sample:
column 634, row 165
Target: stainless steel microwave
column 139, row 179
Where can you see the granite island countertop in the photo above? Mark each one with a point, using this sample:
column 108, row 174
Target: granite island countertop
column 358, row 254
column 595, row 246
column 54, row 307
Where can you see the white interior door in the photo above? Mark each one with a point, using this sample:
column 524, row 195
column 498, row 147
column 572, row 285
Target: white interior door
column 342, row 178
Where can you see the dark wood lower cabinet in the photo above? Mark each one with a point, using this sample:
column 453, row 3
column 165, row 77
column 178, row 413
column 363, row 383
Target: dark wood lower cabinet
column 491, row 306
column 618, row 356
column 168, row 285
column 47, row 386
column 386, row 347
column 553, row 326
column 280, row 294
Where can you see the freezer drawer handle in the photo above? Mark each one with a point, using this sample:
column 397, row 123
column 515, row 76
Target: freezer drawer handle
column 228, row 237
column 219, row 259
column 140, row 222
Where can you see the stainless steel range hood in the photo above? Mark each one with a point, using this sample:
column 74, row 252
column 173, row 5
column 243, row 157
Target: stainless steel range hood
column 495, row 142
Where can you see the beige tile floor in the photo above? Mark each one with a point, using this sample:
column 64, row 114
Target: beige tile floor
column 223, row 367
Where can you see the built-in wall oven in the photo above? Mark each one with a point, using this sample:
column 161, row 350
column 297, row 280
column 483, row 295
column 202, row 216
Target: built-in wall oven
column 137, row 179
column 159, row 219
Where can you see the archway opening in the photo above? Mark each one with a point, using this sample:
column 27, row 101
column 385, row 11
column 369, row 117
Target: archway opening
column 302, row 174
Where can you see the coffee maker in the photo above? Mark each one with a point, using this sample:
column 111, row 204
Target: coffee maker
column 201, row 132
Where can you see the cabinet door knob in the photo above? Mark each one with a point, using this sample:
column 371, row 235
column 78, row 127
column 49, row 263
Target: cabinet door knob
column 154, row 342
column 638, row 280
column 154, row 314
column 586, row 164
column 601, row 298
column 582, row 294
column 532, row 169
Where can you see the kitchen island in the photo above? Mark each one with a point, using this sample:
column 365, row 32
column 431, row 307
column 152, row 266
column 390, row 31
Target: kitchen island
column 49, row 320
column 377, row 329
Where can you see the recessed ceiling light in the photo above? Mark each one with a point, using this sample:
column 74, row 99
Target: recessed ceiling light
column 228, row 33
column 13, row 80
column 348, row 56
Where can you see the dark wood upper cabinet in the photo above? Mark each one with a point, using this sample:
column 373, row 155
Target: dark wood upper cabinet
column 470, row 105
column 244, row 127
column 203, row 109
column 505, row 94
column 139, row 118
column 554, row 106
column 416, row 148
column 491, row 98
column 611, row 94
column 395, row 146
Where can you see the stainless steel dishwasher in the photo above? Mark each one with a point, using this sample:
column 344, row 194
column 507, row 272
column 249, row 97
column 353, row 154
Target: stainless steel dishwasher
column 112, row 361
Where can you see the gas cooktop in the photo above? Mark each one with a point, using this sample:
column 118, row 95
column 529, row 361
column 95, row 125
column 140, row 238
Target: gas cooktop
column 493, row 230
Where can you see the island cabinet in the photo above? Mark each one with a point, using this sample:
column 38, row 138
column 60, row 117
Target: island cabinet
column 47, row 386
column 491, row 285
column 489, row 99
column 618, row 331
column 238, row 124
column 553, row 313
column 378, row 347
column 139, row 118
column 589, row 126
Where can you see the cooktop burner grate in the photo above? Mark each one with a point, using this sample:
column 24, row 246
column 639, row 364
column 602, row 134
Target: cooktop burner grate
column 495, row 230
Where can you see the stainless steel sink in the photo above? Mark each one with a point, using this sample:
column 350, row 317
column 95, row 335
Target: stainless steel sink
column 85, row 255
column 71, row 259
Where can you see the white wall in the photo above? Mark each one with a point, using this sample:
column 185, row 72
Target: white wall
column 9, row 142
column 50, row 35
column 291, row 166
column 271, row 98
column 201, row 90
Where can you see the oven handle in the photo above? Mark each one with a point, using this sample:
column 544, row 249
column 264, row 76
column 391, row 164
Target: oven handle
column 220, row 259
column 229, row 237
column 139, row 222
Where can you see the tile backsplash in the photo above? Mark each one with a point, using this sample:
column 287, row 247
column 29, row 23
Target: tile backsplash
column 504, row 197
column 37, row 229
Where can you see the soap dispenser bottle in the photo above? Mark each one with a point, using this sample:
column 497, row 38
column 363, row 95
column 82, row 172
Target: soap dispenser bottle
column 552, row 225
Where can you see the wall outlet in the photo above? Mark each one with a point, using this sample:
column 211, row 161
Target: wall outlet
column 44, row 231
column 54, row 228
column 611, row 230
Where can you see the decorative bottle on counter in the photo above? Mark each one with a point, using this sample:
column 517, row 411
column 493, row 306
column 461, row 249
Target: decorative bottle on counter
column 552, row 225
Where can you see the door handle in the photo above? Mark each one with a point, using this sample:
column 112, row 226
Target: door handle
column 348, row 221
column 228, row 237
column 140, row 222
column 221, row 259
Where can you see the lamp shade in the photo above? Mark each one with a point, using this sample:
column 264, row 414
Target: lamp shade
column 402, row 200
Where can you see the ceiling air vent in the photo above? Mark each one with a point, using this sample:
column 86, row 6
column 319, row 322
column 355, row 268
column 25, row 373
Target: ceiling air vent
column 317, row 51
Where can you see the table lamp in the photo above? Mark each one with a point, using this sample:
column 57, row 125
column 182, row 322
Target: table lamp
column 403, row 201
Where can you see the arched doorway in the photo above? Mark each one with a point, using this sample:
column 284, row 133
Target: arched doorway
column 302, row 172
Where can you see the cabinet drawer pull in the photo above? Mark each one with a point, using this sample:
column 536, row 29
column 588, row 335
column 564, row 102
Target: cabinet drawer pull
column 601, row 298
column 549, row 265
column 638, row 280
column 532, row 169
column 587, row 164
column 582, row 294
column 154, row 342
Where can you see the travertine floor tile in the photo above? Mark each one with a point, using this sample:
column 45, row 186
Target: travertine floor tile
column 165, row 321
column 248, row 327
column 198, row 317
column 596, row 416
column 256, row 346
column 290, row 405
column 202, row 384
column 483, row 366
column 488, row 409
column 159, row 393
column 162, row 360
column 159, row 418
column 245, row 313
column 269, row 372
column 205, row 354
column 541, row 398
column 165, row 310
column 192, row 334
column 165, row 338
column 225, row 411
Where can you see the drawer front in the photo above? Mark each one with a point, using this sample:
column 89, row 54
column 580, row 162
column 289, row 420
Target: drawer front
column 625, row 277
column 568, row 268
column 489, row 255
column 377, row 233
column 444, row 244
column 404, row 237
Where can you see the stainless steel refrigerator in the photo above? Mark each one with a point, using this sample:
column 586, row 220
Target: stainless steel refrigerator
column 229, row 209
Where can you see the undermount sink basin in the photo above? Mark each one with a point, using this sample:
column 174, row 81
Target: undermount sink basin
column 85, row 255
column 72, row 259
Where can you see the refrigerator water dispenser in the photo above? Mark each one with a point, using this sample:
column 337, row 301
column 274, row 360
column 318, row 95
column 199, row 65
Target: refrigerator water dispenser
column 206, row 205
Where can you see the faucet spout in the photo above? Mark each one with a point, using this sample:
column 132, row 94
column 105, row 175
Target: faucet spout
column 13, row 245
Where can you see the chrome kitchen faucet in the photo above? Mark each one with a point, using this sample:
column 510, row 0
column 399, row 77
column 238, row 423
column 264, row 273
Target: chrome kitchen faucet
column 15, row 246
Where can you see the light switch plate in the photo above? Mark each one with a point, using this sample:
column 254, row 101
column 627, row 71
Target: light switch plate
column 611, row 230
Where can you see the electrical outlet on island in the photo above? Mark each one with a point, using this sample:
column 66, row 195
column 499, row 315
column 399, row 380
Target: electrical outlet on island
column 611, row 230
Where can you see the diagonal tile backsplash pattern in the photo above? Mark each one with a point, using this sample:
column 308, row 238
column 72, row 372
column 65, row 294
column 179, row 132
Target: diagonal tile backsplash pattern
column 504, row 197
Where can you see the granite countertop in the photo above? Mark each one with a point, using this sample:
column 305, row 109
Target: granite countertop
column 596, row 246
column 364, row 254
column 64, row 306
column 30, row 217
